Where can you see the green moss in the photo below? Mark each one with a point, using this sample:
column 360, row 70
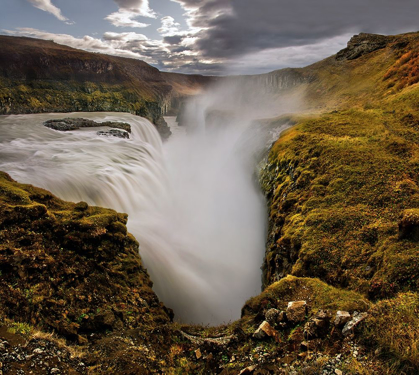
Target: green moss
column 351, row 175
column 72, row 260
column 319, row 295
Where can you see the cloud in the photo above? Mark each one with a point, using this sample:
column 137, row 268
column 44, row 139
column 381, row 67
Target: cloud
column 128, row 11
column 247, row 36
column 86, row 43
column 47, row 6
column 231, row 28
column 279, row 58
column 124, row 37
column 139, row 7
column 124, row 18
column 174, row 40
column 169, row 27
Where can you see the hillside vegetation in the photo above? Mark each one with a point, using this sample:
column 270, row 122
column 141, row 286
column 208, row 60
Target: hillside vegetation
column 343, row 185
column 343, row 192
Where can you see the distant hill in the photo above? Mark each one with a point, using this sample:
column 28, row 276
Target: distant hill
column 42, row 76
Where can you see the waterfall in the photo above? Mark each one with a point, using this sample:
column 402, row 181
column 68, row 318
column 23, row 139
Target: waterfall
column 193, row 203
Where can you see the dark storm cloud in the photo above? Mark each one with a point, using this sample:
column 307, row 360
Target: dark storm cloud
column 242, row 26
column 173, row 39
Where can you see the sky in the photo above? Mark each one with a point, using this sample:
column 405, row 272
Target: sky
column 211, row 37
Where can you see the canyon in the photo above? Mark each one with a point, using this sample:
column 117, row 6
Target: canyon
column 341, row 187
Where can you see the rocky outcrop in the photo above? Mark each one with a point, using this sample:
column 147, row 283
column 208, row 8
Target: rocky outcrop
column 70, row 267
column 362, row 44
column 67, row 124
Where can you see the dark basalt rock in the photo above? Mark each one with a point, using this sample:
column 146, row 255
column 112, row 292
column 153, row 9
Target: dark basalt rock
column 363, row 44
column 114, row 133
column 68, row 124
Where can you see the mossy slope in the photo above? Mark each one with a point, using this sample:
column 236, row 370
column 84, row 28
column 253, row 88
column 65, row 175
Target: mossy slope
column 70, row 267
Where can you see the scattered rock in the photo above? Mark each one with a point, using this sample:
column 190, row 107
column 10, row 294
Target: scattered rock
column 198, row 353
column 81, row 206
column 104, row 320
column 38, row 351
column 264, row 330
column 342, row 317
column 338, row 372
column 296, row 311
column 357, row 318
column 247, row 370
column 55, row 371
column 317, row 326
column 271, row 316
column 114, row 133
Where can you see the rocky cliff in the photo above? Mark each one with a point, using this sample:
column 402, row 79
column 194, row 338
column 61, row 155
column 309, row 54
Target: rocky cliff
column 42, row 76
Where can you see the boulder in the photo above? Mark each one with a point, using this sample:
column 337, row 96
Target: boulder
column 265, row 330
column 296, row 311
column 271, row 316
column 342, row 317
column 350, row 326
column 317, row 326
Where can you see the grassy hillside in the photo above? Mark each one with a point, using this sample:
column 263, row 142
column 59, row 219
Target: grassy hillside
column 343, row 186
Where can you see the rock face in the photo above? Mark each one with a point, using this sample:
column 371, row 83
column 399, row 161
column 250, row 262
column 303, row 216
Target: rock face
column 362, row 44
column 80, row 81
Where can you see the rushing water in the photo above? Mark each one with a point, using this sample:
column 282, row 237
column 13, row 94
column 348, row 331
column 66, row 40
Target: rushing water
column 193, row 203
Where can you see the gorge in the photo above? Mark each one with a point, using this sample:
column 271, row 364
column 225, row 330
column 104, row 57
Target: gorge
column 335, row 230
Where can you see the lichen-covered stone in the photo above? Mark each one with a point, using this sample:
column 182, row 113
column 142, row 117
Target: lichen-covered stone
column 356, row 319
column 342, row 317
column 296, row 311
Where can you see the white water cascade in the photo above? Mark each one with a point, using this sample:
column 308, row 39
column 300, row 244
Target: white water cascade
column 193, row 203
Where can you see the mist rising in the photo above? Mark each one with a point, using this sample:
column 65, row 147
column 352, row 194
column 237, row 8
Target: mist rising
column 194, row 203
